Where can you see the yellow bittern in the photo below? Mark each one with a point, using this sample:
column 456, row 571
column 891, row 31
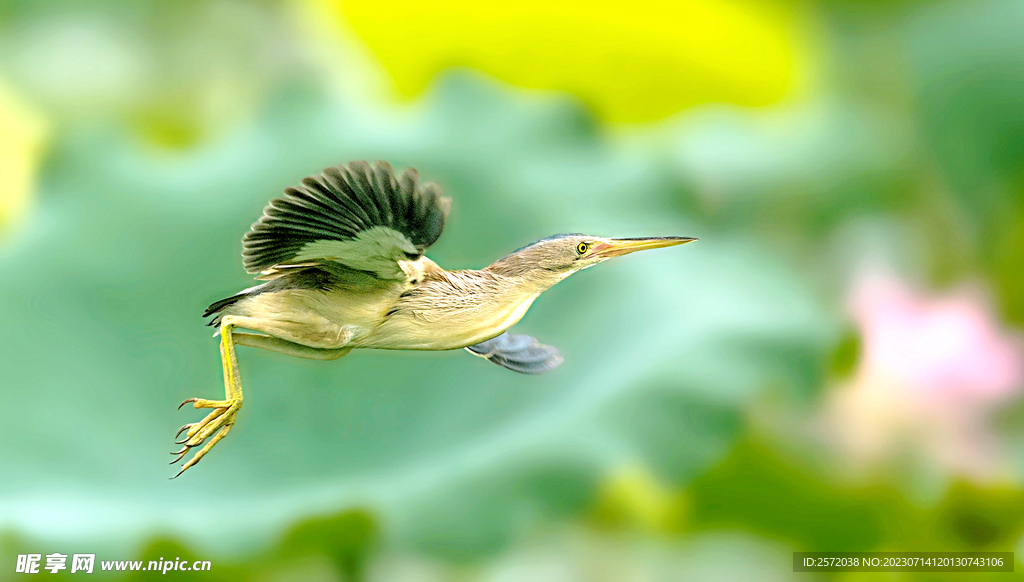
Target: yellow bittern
column 342, row 257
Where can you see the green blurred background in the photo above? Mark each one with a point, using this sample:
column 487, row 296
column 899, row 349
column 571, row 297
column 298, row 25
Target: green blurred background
column 836, row 365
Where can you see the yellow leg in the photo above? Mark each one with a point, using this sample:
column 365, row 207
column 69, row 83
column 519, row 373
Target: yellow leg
column 218, row 422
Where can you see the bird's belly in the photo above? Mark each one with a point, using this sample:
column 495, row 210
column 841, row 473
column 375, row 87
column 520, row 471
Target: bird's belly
column 456, row 329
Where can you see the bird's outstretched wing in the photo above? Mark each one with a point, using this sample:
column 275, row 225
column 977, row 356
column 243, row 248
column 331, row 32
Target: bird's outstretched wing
column 362, row 217
column 519, row 353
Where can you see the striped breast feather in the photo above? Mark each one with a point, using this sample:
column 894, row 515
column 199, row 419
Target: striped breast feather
column 363, row 217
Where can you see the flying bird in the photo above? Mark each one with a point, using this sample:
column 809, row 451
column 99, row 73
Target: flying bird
column 341, row 257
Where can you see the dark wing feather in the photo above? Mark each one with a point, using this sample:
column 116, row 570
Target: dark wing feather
column 360, row 216
column 519, row 353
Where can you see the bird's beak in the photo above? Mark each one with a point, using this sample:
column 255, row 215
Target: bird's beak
column 617, row 247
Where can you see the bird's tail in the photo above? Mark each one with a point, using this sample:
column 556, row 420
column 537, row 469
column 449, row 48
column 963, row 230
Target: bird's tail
column 216, row 307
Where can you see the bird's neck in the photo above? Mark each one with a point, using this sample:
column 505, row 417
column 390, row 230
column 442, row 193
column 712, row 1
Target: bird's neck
column 532, row 278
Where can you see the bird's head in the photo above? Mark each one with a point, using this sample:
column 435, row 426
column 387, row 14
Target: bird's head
column 554, row 258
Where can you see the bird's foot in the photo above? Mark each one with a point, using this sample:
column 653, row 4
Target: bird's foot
column 216, row 424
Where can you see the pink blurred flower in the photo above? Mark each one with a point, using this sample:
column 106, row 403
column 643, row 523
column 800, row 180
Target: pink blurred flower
column 932, row 370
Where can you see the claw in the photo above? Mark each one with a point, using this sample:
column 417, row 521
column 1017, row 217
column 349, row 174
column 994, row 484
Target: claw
column 186, row 402
column 190, row 445
column 191, row 463
column 183, row 452
column 183, row 429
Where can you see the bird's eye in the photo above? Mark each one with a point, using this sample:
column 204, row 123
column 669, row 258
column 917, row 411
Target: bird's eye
column 582, row 248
